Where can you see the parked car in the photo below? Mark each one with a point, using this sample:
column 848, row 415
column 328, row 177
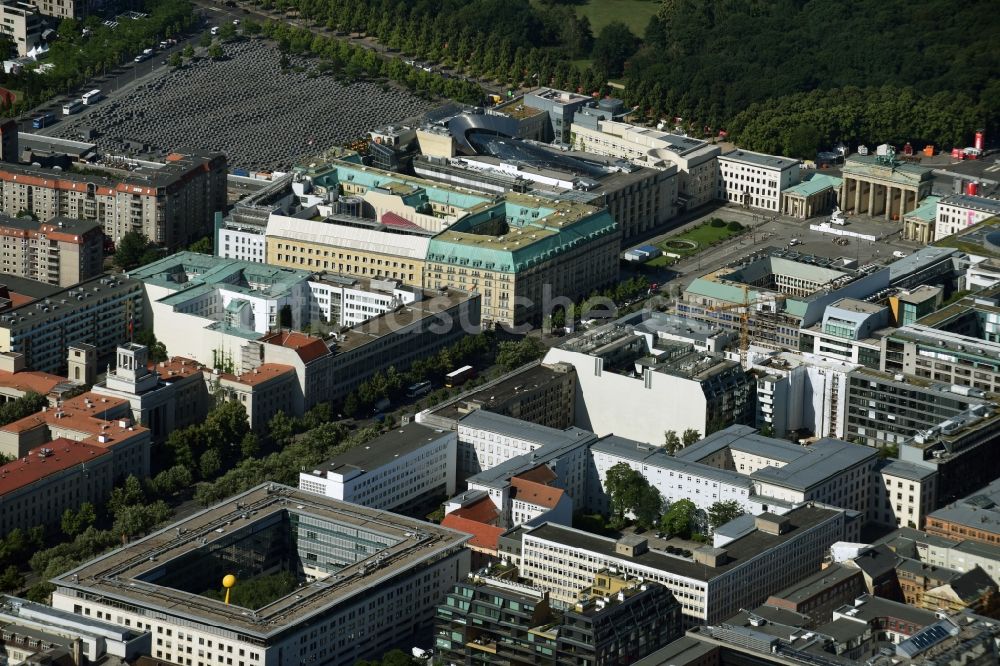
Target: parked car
column 899, row 254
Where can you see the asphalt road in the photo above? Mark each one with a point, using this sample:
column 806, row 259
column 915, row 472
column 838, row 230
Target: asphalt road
column 130, row 73
column 767, row 229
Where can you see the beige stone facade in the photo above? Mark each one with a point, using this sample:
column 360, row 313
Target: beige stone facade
column 62, row 252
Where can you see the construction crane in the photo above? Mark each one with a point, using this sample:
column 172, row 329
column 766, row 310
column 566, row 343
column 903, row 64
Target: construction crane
column 744, row 308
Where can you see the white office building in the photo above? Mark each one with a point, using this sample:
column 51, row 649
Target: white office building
column 829, row 470
column 487, row 440
column 401, row 469
column 960, row 211
column 245, row 242
column 345, row 300
column 674, row 478
column 755, row 180
column 800, row 392
column 711, row 585
column 352, row 581
column 693, row 158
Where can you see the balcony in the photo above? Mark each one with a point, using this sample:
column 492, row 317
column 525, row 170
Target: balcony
column 482, row 646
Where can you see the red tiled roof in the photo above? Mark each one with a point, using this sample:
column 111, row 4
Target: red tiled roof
column 88, row 415
column 27, row 470
column 177, row 367
column 541, row 474
column 535, row 493
column 394, row 220
column 481, row 511
column 308, row 347
column 29, row 380
column 483, row 536
column 264, row 372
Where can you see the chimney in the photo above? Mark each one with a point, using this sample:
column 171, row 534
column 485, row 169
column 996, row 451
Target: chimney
column 770, row 523
column 711, row 557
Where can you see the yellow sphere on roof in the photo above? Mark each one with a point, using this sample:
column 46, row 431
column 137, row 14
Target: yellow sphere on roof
column 229, row 580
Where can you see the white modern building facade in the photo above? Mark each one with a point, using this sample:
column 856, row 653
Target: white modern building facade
column 347, row 301
column 961, row 211
column 694, row 159
column 711, row 585
column 675, row 479
column 755, row 180
column 400, row 468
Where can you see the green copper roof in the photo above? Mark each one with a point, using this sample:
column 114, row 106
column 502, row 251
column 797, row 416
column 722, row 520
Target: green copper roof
column 535, row 234
column 927, row 210
column 815, row 184
column 413, row 190
column 202, row 271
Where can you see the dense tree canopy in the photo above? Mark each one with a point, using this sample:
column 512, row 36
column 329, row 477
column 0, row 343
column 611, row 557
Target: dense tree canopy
column 750, row 67
column 708, row 61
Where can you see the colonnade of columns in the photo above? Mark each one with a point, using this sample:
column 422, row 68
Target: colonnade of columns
column 871, row 198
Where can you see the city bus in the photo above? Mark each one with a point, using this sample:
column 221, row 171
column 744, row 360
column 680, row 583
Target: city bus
column 418, row 389
column 69, row 108
column 43, row 120
column 93, row 97
column 459, row 377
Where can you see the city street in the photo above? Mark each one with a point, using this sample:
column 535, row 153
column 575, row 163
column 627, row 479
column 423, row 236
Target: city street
column 768, row 230
column 113, row 82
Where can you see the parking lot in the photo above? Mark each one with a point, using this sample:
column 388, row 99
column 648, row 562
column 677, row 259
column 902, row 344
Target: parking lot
column 245, row 105
column 767, row 229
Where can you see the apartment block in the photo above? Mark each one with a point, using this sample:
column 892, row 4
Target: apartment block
column 953, row 553
column 889, row 409
column 22, row 24
column 77, row 9
column 62, row 252
column 400, row 470
column 906, row 494
column 537, row 393
column 173, row 203
column 100, row 312
column 618, row 620
column 363, row 580
column 873, row 631
column 972, row 518
column 755, row 180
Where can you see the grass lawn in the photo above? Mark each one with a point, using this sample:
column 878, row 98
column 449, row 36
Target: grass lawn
column 633, row 13
column 703, row 236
